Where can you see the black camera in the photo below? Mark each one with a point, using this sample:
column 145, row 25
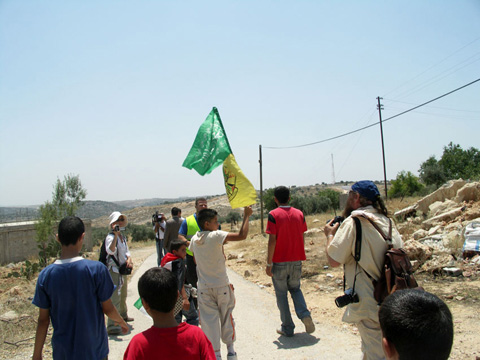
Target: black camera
column 348, row 298
column 155, row 218
column 336, row 219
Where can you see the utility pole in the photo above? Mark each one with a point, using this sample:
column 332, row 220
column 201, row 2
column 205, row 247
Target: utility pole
column 333, row 172
column 380, row 108
column 261, row 187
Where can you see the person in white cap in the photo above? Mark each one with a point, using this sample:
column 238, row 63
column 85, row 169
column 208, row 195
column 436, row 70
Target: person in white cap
column 118, row 255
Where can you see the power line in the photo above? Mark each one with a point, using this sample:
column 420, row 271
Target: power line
column 371, row 125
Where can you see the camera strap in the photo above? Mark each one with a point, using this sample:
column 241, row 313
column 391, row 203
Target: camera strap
column 358, row 240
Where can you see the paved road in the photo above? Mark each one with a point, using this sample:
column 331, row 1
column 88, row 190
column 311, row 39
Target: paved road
column 256, row 317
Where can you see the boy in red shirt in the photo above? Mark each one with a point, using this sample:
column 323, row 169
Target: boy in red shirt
column 166, row 339
column 286, row 251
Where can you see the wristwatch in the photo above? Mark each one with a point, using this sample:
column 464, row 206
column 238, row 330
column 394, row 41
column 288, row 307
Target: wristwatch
column 269, row 265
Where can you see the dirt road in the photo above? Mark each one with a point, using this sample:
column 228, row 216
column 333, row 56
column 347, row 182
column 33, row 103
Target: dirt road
column 256, row 317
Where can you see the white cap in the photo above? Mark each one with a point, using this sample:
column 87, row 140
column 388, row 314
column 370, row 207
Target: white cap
column 114, row 216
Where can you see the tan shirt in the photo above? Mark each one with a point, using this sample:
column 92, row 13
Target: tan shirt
column 342, row 248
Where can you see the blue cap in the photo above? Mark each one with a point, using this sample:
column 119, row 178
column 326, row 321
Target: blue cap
column 367, row 189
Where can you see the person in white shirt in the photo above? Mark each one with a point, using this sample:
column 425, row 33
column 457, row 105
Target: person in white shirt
column 216, row 299
column 117, row 255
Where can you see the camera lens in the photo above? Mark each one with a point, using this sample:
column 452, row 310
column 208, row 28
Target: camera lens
column 343, row 300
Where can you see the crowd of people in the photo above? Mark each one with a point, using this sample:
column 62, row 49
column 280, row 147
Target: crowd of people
column 191, row 283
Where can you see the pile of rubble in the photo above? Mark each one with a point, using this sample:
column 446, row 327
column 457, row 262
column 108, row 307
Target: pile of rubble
column 433, row 229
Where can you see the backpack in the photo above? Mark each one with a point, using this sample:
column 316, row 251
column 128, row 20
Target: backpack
column 397, row 271
column 103, row 253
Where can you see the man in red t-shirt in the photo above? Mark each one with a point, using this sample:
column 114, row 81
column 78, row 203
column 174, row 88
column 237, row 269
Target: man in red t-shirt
column 286, row 251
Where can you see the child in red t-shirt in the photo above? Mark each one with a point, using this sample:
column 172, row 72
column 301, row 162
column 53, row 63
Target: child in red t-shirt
column 158, row 290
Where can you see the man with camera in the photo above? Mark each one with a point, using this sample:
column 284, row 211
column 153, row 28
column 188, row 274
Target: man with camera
column 365, row 203
column 119, row 264
column 158, row 220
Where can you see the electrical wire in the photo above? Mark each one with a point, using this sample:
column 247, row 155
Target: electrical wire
column 374, row 124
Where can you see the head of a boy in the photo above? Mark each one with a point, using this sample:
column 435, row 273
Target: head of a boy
column 158, row 288
column 415, row 325
column 208, row 220
column 70, row 230
column 282, row 195
column 179, row 248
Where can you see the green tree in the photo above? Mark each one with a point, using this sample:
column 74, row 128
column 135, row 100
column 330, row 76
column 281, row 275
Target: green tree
column 333, row 195
column 232, row 217
column 406, row 184
column 141, row 232
column 458, row 163
column 432, row 173
column 269, row 200
column 67, row 198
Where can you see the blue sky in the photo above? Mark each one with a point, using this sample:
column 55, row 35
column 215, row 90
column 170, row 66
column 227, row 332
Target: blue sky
column 115, row 91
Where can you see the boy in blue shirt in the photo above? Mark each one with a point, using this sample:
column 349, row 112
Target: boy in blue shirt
column 75, row 294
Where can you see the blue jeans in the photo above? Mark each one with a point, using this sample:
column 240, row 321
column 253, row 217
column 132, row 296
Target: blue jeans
column 191, row 316
column 160, row 251
column 286, row 278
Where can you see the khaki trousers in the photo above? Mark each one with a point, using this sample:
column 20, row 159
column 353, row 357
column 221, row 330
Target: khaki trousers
column 215, row 307
column 371, row 334
column 119, row 296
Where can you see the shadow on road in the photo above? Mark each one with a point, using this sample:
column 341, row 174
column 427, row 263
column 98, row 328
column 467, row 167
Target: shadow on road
column 297, row 341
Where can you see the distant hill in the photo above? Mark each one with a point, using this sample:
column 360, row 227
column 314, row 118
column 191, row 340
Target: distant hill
column 91, row 209
column 140, row 210
column 130, row 204
column 97, row 208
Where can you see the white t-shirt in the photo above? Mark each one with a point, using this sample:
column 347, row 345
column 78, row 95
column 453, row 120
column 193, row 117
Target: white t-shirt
column 121, row 252
column 207, row 247
column 160, row 234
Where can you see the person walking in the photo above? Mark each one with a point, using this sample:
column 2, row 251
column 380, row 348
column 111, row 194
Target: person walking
column 286, row 251
column 364, row 202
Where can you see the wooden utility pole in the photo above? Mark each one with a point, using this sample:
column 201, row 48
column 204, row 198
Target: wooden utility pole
column 380, row 108
column 261, row 187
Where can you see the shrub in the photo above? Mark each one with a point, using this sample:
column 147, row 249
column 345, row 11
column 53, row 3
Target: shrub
column 406, row 184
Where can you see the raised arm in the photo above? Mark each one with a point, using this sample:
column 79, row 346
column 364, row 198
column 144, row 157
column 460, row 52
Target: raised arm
column 242, row 234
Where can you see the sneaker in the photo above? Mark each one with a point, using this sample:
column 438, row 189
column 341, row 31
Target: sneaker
column 231, row 356
column 281, row 332
column 114, row 330
column 309, row 325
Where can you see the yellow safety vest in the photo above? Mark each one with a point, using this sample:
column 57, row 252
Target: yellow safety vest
column 192, row 228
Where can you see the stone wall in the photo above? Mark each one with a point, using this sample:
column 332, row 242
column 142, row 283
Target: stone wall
column 17, row 241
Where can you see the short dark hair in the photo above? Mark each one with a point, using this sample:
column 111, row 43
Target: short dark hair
column 205, row 215
column 70, row 230
column 177, row 244
column 199, row 199
column 176, row 211
column 418, row 324
column 158, row 288
column 282, row 194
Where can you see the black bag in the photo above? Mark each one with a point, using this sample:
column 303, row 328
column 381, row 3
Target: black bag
column 396, row 273
column 103, row 254
column 123, row 269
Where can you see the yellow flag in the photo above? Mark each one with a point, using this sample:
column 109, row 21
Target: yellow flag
column 240, row 190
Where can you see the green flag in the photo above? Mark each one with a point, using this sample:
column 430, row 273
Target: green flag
column 210, row 147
